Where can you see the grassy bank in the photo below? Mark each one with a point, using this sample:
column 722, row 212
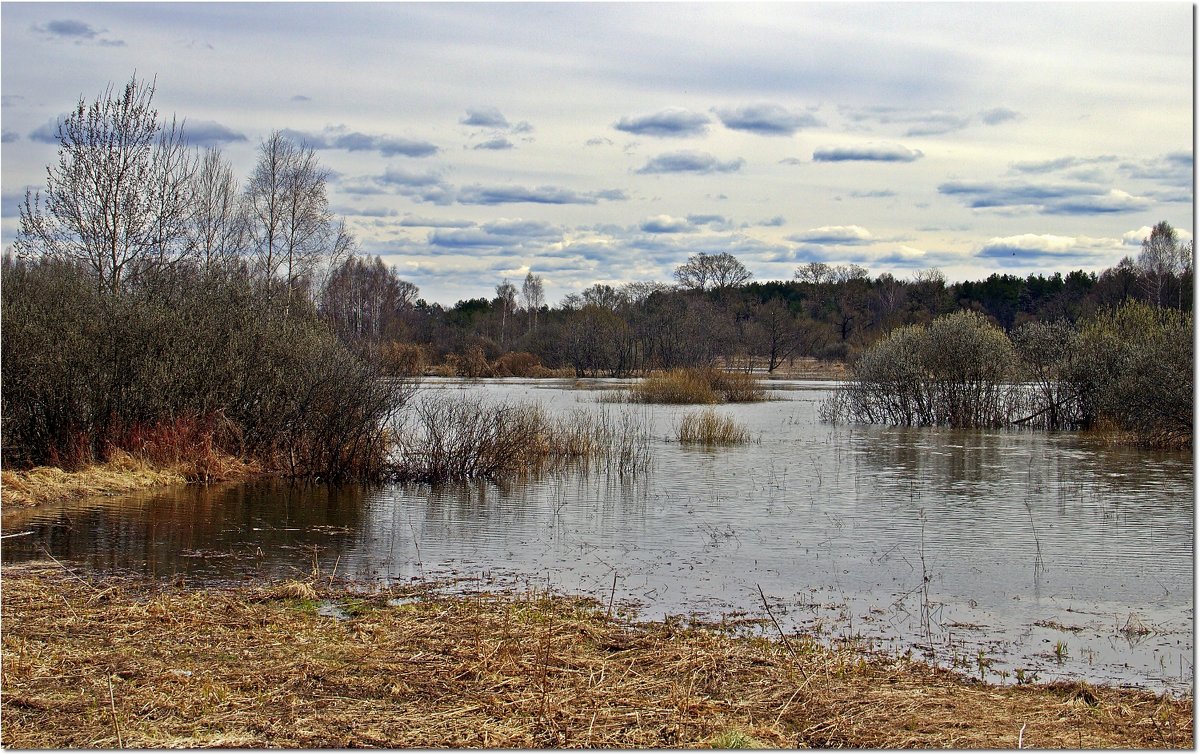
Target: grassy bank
column 122, row 473
column 133, row 664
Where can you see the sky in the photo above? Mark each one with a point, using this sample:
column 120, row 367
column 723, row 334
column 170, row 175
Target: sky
column 469, row 143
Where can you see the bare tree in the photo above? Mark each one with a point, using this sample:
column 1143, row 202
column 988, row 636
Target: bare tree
column 534, row 295
column 814, row 272
column 1162, row 263
column 506, row 296
column 291, row 227
column 218, row 229
column 712, row 271
column 117, row 200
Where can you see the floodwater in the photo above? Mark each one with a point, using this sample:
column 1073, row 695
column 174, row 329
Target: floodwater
column 1034, row 555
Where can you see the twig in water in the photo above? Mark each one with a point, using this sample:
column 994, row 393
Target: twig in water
column 70, row 571
column 612, row 595
column 786, row 642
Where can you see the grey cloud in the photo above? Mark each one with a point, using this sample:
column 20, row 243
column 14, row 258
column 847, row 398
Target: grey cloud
column 665, row 224
column 68, row 28
column 1060, row 163
column 523, row 228
column 488, row 117
column 774, row 222
column 669, row 122
column 77, row 31
column 355, row 141
column 8, row 137
column 499, row 234
column 791, row 161
column 843, row 235
column 420, row 222
column 553, row 195
column 767, row 119
column 47, row 133
column 10, row 205
column 301, row 98
column 1174, row 168
column 524, row 127
column 709, row 220
column 690, row 162
column 873, row 194
column 497, row 143
column 919, row 123
column 598, row 141
column 868, row 152
column 997, row 115
column 210, row 134
column 1046, row 199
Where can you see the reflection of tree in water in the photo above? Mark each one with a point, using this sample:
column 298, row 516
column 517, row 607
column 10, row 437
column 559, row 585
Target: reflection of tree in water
column 907, row 462
column 267, row 528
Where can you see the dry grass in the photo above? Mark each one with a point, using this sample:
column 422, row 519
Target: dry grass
column 709, row 428
column 122, row 473
column 131, row 664
column 456, row 438
column 697, row 385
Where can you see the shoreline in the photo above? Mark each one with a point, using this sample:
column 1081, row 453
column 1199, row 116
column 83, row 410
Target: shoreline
column 316, row 663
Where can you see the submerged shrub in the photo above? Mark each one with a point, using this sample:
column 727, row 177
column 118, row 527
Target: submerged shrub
column 710, row 428
column 955, row 372
column 454, row 438
column 1135, row 371
column 697, row 385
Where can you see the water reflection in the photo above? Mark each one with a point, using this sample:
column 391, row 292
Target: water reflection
column 962, row 542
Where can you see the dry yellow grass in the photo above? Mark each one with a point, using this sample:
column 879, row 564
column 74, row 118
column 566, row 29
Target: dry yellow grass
column 136, row 664
column 122, row 473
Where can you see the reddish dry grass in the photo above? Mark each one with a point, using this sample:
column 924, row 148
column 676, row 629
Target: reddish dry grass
column 134, row 664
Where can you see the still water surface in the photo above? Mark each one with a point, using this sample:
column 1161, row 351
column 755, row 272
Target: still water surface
column 1052, row 553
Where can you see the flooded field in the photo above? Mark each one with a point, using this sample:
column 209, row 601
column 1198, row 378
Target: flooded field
column 1010, row 555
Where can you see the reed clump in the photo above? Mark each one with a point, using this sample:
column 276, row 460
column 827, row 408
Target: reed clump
column 710, row 428
column 697, row 385
column 457, row 438
column 124, row 663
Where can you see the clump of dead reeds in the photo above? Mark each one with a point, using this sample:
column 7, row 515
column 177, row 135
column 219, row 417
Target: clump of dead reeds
column 710, row 428
column 697, row 385
column 143, row 665
column 468, row 438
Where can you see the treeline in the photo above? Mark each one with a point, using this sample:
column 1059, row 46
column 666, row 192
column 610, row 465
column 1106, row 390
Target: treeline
column 714, row 313
column 159, row 307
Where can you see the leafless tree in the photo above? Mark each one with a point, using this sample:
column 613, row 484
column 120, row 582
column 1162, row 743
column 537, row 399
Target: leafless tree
column 506, row 296
column 1162, row 263
column 118, row 199
column 291, row 227
column 814, row 272
column 218, row 229
column 534, row 295
column 712, row 271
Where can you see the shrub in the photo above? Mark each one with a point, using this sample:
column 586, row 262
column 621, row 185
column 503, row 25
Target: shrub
column 1135, row 370
column 697, row 386
column 956, row 371
column 709, row 428
column 450, row 438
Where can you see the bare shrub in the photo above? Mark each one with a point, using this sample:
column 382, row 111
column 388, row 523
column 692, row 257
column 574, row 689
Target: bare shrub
column 453, row 438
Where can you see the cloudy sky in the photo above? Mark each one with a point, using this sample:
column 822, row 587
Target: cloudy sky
column 595, row 142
